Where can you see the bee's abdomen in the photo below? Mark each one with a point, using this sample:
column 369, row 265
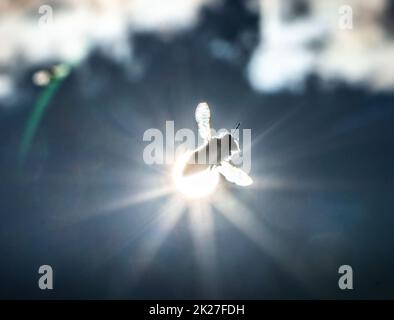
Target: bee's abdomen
column 191, row 168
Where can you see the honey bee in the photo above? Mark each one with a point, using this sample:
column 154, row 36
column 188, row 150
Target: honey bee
column 216, row 152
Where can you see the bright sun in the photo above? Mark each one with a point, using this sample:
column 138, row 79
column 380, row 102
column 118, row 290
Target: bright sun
column 195, row 186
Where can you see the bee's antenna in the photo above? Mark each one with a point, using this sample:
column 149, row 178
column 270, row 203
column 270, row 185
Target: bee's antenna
column 239, row 123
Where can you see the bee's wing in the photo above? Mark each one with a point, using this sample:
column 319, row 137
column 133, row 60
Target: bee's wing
column 234, row 174
column 203, row 118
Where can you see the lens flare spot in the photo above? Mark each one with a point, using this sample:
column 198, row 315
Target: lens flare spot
column 198, row 185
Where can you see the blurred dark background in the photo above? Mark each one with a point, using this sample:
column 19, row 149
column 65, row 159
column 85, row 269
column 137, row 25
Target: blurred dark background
column 322, row 160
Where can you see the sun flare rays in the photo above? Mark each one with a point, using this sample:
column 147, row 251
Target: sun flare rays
column 200, row 210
